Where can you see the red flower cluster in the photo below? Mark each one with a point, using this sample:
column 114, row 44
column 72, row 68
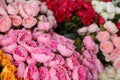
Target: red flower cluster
column 64, row 9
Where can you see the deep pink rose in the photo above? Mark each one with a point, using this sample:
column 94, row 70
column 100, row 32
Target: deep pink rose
column 101, row 20
column 31, row 72
column 44, row 73
column 118, row 25
column 79, row 73
column 20, row 53
column 58, row 73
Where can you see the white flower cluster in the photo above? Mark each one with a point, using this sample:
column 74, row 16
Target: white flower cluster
column 110, row 73
column 106, row 9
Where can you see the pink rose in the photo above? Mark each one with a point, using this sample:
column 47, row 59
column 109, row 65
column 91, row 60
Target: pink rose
column 49, row 13
column 106, row 47
column 116, row 41
column 13, row 8
column 72, row 62
column 79, row 73
column 116, row 63
column 3, row 4
column 43, row 8
column 65, row 50
column 20, row 53
column 82, row 31
column 20, row 69
column 16, row 20
column 31, row 8
column 44, row 73
column 44, row 26
column 111, row 27
column 29, row 22
column 5, row 23
column 31, row 60
column 42, row 55
column 9, row 48
column 58, row 73
column 89, row 43
column 31, row 72
column 93, row 28
column 52, row 21
column 58, row 60
column 103, row 36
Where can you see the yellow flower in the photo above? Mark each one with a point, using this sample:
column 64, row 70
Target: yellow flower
column 8, row 70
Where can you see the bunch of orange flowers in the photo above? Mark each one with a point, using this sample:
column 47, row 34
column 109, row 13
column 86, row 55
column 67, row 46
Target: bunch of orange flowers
column 7, row 69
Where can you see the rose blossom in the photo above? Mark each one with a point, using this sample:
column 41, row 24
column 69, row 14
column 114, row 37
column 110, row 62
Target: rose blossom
column 118, row 25
column 44, row 73
column 43, row 8
column 20, row 53
column 103, row 36
column 82, row 31
column 58, row 73
column 5, row 23
column 31, row 72
column 29, row 22
column 106, row 47
column 93, row 28
column 110, row 26
column 16, row 20
column 89, row 43
column 79, row 73
column 42, row 55
column 116, row 41
column 116, row 63
column 52, row 21
column 44, row 26
column 13, row 8
column 42, row 18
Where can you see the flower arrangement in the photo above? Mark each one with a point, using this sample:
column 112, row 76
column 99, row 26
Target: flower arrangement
column 60, row 39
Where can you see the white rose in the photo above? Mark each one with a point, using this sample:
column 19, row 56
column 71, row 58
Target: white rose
column 111, row 27
column 117, row 10
column 104, row 15
column 110, row 8
column 111, row 15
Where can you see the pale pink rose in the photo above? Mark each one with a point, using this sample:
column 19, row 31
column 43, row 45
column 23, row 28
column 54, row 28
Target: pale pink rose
column 42, row 55
column 5, row 23
column 9, row 1
column 82, row 30
column 20, row 53
column 3, row 4
column 58, row 60
column 44, row 26
column 52, row 21
column 58, row 73
column 65, row 50
column 116, row 41
column 22, row 10
column 29, row 22
column 43, row 8
column 42, row 18
column 9, row 48
column 79, row 73
column 16, row 20
column 111, row 27
column 93, row 28
column 103, row 36
column 32, row 8
column 44, row 73
column 89, row 43
column 49, row 13
column 13, row 8
column 20, row 69
column 31, row 72
column 116, row 63
column 106, row 47
column 72, row 62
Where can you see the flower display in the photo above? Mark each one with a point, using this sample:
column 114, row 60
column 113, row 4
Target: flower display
column 59, row 39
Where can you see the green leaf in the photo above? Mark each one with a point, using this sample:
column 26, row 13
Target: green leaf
column 102, row 28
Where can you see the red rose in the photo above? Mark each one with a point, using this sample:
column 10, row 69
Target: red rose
column 118, row 25
column 87, row 19
column 101, row 20
column 107, row 0
column 80, row 13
